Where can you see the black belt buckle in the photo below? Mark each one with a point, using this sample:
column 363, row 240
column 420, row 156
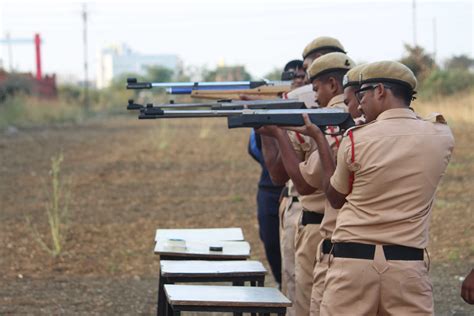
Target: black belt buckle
column 311, row 218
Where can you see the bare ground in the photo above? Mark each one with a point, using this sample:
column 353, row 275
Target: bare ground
column 129, row 177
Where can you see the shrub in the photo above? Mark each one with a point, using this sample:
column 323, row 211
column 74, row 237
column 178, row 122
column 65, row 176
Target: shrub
column 446, row 82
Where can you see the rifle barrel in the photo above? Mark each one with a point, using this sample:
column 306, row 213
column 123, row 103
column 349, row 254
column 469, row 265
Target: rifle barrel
column 157, row 113
column 188, row 87
column 226, row 105
column 258, row 117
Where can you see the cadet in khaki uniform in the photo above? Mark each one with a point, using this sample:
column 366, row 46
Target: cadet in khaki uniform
column 311, row 172
column 351, row 84
column 329, row 69
column 384, row 184
column 291, row 216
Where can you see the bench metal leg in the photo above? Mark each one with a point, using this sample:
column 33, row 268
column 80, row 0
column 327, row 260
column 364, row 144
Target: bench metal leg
column 161, row 302
column 171, row 312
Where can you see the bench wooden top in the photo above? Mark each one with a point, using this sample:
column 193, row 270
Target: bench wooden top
column 227, row 234
column 229, row 296
column 201, row 249
column 173, row 268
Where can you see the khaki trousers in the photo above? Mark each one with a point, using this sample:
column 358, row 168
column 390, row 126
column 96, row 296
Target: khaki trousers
column 290, row 213
column 377, row 287
column 319, row 277
column 307, row 240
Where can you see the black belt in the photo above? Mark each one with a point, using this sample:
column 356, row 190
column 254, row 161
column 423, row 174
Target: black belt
column 285, row 192
column 311, row 218
column 294, row 199
column 366, row 251
column 326, row 246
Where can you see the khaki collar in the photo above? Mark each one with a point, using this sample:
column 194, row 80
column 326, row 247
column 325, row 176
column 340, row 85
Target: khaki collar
column 397, row 113
column 336, row 100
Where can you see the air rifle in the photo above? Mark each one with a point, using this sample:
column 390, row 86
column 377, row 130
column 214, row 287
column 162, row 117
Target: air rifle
column 256, row 117
column 226, row 105
column 218, row 90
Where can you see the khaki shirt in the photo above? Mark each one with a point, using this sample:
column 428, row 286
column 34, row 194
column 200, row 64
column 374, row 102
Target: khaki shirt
column 304, row 146
column 291, row 189
column 399, row 161
column 304, row 94
column 311, row 170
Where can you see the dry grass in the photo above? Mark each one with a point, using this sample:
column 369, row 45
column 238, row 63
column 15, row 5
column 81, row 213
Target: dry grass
column 457, row 110
column 27, row 111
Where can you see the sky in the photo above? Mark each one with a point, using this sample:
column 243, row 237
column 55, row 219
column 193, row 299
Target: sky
column 260, row 34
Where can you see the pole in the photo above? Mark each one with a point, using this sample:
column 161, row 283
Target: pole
column 86, row 79
column 435, row 40
column 38, row 56
column 9, row 47
column 414, row 23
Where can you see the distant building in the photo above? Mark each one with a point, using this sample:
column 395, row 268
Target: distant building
column 120, row 59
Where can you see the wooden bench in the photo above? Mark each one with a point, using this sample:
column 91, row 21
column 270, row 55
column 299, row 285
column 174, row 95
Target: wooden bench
column 236, row 299
column 237, row 272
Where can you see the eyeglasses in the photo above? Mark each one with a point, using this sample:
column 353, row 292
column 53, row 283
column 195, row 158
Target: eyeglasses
column 359, row 94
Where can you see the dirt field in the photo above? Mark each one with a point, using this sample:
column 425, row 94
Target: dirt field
column 128, row 178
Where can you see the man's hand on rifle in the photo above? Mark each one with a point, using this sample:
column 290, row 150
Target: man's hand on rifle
column 247, row 97
column 269, row 130
column 308, row 129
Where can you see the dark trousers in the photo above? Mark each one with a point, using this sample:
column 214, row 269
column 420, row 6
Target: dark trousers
column 269, row 227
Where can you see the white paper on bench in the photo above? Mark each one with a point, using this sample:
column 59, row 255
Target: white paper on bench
column 226, row 234
column 237, row 248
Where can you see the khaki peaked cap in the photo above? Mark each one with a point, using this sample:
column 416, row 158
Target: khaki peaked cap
column 329, row 63
column 352, row 77
column 323, row 42
column 388, row 71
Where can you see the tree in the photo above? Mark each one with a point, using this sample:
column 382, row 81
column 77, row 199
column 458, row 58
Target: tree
column 227, row 73
column 275, row 74
column 159, row 74
column 15, row 84
column 419, row 61
column 461, row 62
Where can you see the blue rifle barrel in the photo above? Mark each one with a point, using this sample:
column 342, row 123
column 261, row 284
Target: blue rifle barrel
column 188, row 90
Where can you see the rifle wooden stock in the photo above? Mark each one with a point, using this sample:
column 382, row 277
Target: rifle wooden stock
column 262, row 92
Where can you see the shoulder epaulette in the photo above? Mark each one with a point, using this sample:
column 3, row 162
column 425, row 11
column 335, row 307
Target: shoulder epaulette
column 435, row 118
column 355, row 127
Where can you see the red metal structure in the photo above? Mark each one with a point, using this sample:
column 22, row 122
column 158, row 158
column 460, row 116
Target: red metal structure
column 38, row 56
column 36, row 41
column 43, row 86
